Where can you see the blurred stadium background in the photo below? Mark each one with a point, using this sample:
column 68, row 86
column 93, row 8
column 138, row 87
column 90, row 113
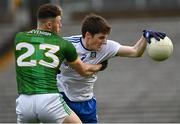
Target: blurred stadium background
column 129, row 90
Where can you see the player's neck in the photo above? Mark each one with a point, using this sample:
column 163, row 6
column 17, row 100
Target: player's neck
column 85, row 44
column 44, row 29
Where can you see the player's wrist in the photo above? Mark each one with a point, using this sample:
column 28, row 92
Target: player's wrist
column 104, row 65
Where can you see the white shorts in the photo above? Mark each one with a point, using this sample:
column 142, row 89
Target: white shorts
column 45, row 108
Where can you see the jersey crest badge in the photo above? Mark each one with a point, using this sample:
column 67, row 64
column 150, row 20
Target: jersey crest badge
column 93, row 55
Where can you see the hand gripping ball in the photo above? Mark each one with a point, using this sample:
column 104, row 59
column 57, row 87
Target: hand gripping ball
column 160, row 50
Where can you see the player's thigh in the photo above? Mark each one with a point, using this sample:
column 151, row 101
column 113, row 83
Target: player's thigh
column 72, row 118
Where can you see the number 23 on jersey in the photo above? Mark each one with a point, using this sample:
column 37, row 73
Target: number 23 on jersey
column 51, row 50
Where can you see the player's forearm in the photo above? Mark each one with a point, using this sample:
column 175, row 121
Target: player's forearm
column 85, row 69
column 88, row 69
column 140, row 47
column 91, row 69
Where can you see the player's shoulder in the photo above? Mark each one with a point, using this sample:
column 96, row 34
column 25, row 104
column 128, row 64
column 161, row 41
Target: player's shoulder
column 73, row 38
column 20, row 34
column 23, row 33
column 64, row 43
column 112, row 42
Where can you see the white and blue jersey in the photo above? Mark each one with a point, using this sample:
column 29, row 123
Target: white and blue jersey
column 75, row 86
column 78, row 90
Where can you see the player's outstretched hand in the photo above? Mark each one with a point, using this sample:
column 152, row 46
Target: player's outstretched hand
column 148, row 34
column 104, row 65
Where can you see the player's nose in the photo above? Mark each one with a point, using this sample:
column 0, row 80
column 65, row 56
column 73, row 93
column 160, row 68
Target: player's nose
column 60, row 25
column 104, row 42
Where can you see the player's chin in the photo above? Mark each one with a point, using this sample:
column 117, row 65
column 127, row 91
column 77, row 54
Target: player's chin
column 58, row 31
column 99, row 48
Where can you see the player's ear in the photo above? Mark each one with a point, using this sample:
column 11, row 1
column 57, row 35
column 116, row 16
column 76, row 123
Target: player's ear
column 49, row 25
column 88, row 35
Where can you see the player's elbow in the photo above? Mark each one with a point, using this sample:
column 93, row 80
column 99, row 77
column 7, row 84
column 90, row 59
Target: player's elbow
column 138, row 52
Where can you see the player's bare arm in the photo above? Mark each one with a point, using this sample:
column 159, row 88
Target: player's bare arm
column 133, row 51
column 84, row 69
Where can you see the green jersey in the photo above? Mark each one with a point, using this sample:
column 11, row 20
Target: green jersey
column 38, row 56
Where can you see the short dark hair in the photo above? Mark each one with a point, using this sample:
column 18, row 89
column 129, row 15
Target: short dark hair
column 95, row 24
column 46, row 11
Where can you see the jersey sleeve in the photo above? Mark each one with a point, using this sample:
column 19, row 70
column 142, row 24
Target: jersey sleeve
column 70, row 54
column 112, row 48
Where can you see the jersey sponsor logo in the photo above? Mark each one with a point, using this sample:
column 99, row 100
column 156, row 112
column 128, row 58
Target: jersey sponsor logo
column 40, row 32
column 50, row 53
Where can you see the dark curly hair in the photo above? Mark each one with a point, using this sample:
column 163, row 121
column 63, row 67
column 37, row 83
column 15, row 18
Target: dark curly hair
column 48, row 11
column 95, row 24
